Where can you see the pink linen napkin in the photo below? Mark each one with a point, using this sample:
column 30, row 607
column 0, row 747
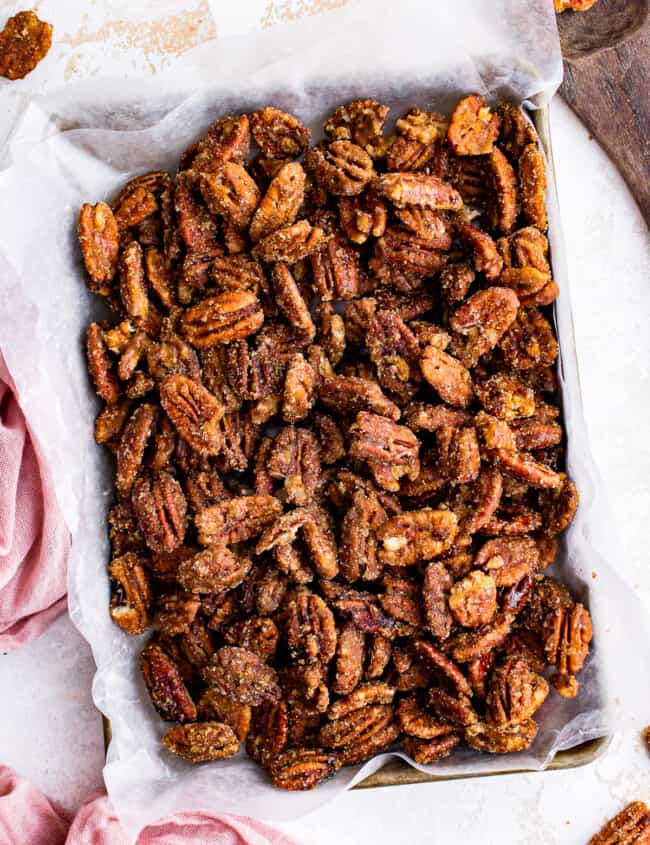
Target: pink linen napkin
column 26, row 816
column 34, row 539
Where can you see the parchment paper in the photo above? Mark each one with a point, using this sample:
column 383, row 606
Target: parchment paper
column 405, row 54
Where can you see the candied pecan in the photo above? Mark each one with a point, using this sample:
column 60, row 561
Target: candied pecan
column 362, row 216
column 483, row 737
column 459, row 454
column 278, row 134
column 299, row 389
column 416, row 722
column 567, row 635
column 175, row 612
column 506, row 396
column 231, row 193
column 356, row 726
column 24, row 41
column 512, row 519
column 349, row 660
column 269, row 732
column 416, row 535
column 160, row 507
column 131, row 356
column 483, row 319
column 437, row 662
column 515, row 693
column 473, row 600
column 420, row 416
column 315, row 528
column 196, row 226
column 504, row 207
column 377, row 692
column 508, row 559
column 290, row 243
column 213, row 569
column 281, row 202
column 195, row 644
column 478, row 671
column 405, row 154
column 311, row 631
column 632, row 825
column 378, row 741
column 167, row 691
column 390, row 450
column 100, row 365
column 435, row 590
column 228, row 139
column 305, row 681
column 379, row 652
column 362, row 122
column 258, row 634
column 447, row 375
column 237, row 519
column 419, row 189
column 349, row 395
column 294, row 458
column 98, row 236
column 330, row 437
column 358, row 546
column 242, row 675
column 473, row 128
column 484, row 251
column 228, row 316
column 331, row 330
column 341, row 168
column 428, row 751
column 133, row 291
column 133, row 441
column 394, row 350
column 455, row 281
column 135, row 204
column 213, row 706
column 290, row 301
column 400, row 599
column 559, row 506
column 456, row 709
column 532, row 185
column 516, row 130
column 525, row 468
column 159, row 275
column 194, row 411
column 302, row 768
column 131, row 596
column 335, row 268
column 201, row 742
column 470, row 644
column 110, row 421
column 360, row 607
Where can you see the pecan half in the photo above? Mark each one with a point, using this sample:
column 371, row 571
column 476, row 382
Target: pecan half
column 341, row 168
column 168, row 693
column 419, row 189
column 508, row 740
column 133, row 441
column 229, row 316
column 281, row 202
column 99, row 239
column 214, row 707
column 242, row 675
column 515, row 693
column 362, row 122
column 302, row 768
column 390, row 450
column 231, row 193
column 447, row 375
column 473, row 601
column 131, row 597
column 311, row 632
column 194, row 411
column 349, row 660
column 277, row 133
column 416, row 535
column 532, row 184
column 632, row 825
column 201, row 742
column 213, row 569
column 160, row 508
column 473, row 128
column 237, row 519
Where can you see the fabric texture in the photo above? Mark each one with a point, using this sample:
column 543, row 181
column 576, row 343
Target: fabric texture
column 34, row 539
column 28, row 818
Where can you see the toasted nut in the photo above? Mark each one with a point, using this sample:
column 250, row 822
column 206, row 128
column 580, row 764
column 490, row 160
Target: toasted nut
column 302, row 768
column 404, row 189
column 99, row 241
column 24, row 41
column 241, row 675
column 201, row 742
column 473, row 128
column 168, row 693
column 194, row 411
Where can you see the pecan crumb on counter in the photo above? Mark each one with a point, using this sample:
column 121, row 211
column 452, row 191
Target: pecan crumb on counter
column 329, row 386
column 24, row 41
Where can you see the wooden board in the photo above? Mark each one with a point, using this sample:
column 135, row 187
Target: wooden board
column 607, row 83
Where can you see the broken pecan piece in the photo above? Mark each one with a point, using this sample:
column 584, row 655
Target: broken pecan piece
column 473, row 128
column 131, row 597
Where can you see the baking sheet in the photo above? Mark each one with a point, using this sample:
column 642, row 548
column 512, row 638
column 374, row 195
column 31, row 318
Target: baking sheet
column 429, row 57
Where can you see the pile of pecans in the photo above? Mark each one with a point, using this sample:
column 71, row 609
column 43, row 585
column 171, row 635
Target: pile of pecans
column 331, row 396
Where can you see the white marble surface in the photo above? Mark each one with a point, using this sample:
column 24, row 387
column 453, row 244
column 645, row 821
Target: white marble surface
column 50, row 732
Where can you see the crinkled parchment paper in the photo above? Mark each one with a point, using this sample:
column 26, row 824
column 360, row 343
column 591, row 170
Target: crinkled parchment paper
column 406, row 53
